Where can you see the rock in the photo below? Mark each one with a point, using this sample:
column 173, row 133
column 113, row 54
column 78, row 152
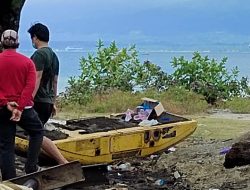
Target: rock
column 238, row 155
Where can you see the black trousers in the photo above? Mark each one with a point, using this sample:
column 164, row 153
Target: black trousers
column 44, row 111
column 32, row 124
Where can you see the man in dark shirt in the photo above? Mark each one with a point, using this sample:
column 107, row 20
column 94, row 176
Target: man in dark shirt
column 17, row 83
column 47, row 69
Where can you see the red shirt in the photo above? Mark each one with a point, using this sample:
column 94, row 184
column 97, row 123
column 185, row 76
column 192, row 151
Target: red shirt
column 17, row 79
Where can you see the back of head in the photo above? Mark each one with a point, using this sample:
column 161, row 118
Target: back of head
column 9, row 39
column 40, row 31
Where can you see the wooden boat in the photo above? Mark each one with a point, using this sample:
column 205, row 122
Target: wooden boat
column 107, row 139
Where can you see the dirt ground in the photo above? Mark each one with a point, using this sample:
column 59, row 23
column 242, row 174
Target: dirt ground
column 195, row 164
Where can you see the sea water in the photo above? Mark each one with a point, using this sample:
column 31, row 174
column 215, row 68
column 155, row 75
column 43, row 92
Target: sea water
column 161, row 54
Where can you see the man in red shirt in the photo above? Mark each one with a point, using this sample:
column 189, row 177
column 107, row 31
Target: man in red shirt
column 17, row 83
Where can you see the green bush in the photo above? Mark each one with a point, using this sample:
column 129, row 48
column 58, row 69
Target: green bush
column 238, row 105
column 208, row 77
column 152, row 76
column 110, row 69
column 119, row 70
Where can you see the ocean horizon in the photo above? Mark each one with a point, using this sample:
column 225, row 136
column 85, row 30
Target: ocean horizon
column 159, row 53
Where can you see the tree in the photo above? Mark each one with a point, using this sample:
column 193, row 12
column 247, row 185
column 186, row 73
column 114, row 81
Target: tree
column 209, row 77
column 10, row 11
column 113, row 68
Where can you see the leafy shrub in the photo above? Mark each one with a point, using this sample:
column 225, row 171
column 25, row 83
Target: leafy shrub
column 152, row 76
column 238, row 105
column 110, row 69
column 114, row 69
column 208, row 77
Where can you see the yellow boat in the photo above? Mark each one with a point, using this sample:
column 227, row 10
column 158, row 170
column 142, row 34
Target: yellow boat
column 91, row 143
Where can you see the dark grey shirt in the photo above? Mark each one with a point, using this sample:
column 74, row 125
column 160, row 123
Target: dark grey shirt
column 47, row 61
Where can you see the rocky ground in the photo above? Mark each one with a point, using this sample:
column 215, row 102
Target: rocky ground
column 195, row 164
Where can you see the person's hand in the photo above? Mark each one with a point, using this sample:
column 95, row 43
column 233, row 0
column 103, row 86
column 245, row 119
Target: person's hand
column 11, row 106
column 16, row 115
column 54, row 110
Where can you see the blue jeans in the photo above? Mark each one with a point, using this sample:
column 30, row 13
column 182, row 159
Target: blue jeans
column 32, row 124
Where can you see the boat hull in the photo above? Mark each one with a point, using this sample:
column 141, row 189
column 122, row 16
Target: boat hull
column 107, row 147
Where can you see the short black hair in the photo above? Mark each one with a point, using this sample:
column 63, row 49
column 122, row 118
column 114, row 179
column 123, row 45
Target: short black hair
column 40, row 31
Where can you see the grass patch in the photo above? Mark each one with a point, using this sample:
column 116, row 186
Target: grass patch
column 181, row 101
column 238, row 105
column 175, row 100
column 221, row 128
column 113, row 102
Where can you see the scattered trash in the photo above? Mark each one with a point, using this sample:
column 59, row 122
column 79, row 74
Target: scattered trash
column 225, row 150
column 160, row 182
column 138, row 108
column 150, row 178
column 109, row 168
column 153, row 156
column 177, row 175
column 142, row 115
column 121, row 185
column 172, row 149
column 200, row 162
column 117, row 188
column 148, row 123
column 128, row 114
column 155, row 105
column 120, row 167
column 119, row 174
column 125, row 167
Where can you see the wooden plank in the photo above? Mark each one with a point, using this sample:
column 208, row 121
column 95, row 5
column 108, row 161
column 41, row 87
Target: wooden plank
column 54, row 177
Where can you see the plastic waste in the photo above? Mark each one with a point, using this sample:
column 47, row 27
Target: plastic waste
column 154, row 156
column 172, row 149
column 141, row 115
column 148, row 123
column 177, row 175
column 139, row 108
column 109, row 168
column 125, row 167
column 160, row 182
column 128, row 114
column 225, row 150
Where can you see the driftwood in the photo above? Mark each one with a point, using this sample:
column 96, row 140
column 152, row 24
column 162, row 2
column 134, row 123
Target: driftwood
column 239, row 154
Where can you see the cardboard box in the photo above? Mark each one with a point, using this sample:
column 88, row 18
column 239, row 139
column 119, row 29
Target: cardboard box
column 155, row 105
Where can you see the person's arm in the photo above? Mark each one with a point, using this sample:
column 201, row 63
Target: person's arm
column 38, row 60
column 54, row 110
column 56, row 73
column 55, row 82
column 39, row 75
column 26, row 95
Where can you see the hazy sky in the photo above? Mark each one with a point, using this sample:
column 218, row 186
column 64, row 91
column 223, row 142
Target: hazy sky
column 166, row 20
